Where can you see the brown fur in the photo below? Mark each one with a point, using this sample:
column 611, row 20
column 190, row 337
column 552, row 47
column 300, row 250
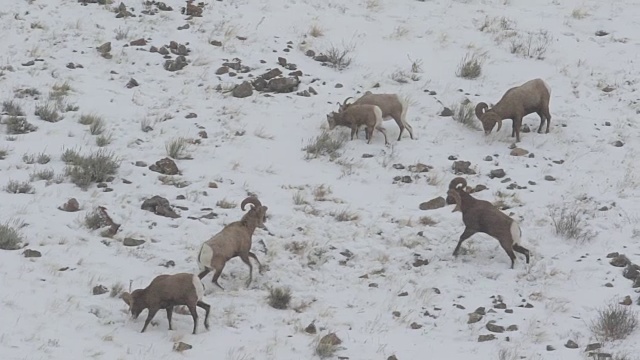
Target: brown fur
column 390, row 105
column 356, row 115
column 165, row 292
column 482, row 216
column 516, row 103
column 235, row 240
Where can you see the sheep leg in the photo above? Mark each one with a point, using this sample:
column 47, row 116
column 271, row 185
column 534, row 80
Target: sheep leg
column 152, row 313
column 542, row 119
column 548, row 116
column 384, row 132
column 465, row 235
column 204, row 273
column 369, row 134
column 401, row 126
column 207, row 309
column 194, row 315
column 517, row 124
column 509, row 250
column 245, row 259
column 217, row 274
column 354, row 131
column 521, row 250
column 169, row 315
column 258, row 261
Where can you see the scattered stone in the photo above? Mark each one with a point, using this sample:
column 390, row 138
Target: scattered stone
column 168, row 264
column 601, row 33
column 525, row 129
column 104, row 48
column 480, row 310
column 311, row 328
column 415, row 326
column 183, row 27
column 608, row 89
column 373, row 285
column 593, row 346
column 181, row 346
column 618, row 143
column 549, row 178
column 313, row 91
column 488, row 158
column 398, row 166
column 488, row 337
column 310, row 53
column 191, row 115
column 138, row 42
column 99, row 290
column 71, row 205
column 620, row 261
column 609, row 285
column 213, row 185
column 432, row 204
column 491, row 326
column 331, row 339
column 132, row 83
column 159, row 206
column 446, row 112
column 626, row 301
column 402, row 294
column 163, row 50
column 631, row 272
column 28, row 253
column 519, row 152
column 321, row 58
column 513, row 327
column 165, row 166
column 392, row 357
column 474, row 318
column 480, row 187
column 222, row 70
column 452, row 157
column 571, row 344
column 462, row 167
column 338, row 86
column 132, row 242
column 497, row 173
column 283, row 85
column 550, row 348
column 500, row 305
column 215, row 42
column 243, row 90
column 420, row 262
column 395, row 313
column 174, row 65
column 367, row 156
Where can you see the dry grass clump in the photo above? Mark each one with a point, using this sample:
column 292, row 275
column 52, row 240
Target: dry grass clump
column 614, row 322
column 279, row 297
column 470, row 67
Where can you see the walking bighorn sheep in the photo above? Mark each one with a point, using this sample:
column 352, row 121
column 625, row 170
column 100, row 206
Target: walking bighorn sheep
column 392, row 106
column 233, row 240
column 165, row 292
column 356, row 115
column 482, row 216
column 516, row 103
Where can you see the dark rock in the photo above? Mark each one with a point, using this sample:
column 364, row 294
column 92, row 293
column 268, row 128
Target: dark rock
column 525, row 129
column 488, row 337
column 321, row 58
column 462, row 167
column 620, row 261
column 432, row 204
column 593, row 346
column 163, row 50
column 104, row 48
column 488, row 158
column 138, row 42
column 550, row 348
column 215, row 42
column 181, row 346
column 491, row 326
column 283, row 85
column 618, row 143
column 420, row 262
column 549, row 178
column 168, row 264
column 310, row 53
column 626, row 301
column 398, row 166
column 260, row 84
column 132, row 242
column 415, row 326
column 28, row 253
column 71, row 205
column 222, row 70
column 330, row 339
column 159, row 206
column 474, row 318
column 446, row 112
column 271, row 74
column 481, row 310
column 631, row 272
column 174, row 65
column 479, row 188
column 338, row 86
column 310, row 329
column 406, row 179
column 601, row 33
column 571, row 344
column 165, row 166
column 99, row 290
column 132, row 83
column 243, row 90
column 497, row 173
column 512, row 327
column 191, row 116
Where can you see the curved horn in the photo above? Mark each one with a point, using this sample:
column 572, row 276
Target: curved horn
column 481, row 108
column 457, row 183
column 456, row 197
column 250, row 200
column 345, row 100
column 499, row 125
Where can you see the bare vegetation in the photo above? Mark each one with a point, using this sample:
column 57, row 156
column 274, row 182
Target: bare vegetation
column 19, row 187
column 279, row 297
column 470, row 67
column 532, row 45
column 315, row 31
column 44, row 174
column 570, row 224
column 177, row 148
column 614, row 322
column 339, row 58
column 48, row 112
column 464, row 113
column 345, row 215
column 96, row 127
column 226, row 204
column 95, row 167
column 19, row 125
column 325, row 144
column 88, row 119
column 10, row 238
column 12, row 108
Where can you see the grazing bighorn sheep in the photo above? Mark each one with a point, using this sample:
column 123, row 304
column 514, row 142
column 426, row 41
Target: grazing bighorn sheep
column 165, row 292
column 392, row 106
column 233, row 240
column 482, row 216
column 516, row 103
column 356, row 115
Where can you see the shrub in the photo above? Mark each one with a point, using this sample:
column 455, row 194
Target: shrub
column 279, row 297
column 12, row 109
column 465, row 114
column 17, row 187
column 225, row 204
column 470, row 67
column 339, row 58
column 569, row 224
column 19, row 125
column 48, row 112
column 614, row 322
column 324, row 144
column 176, row 148
column 10, row 238
column 97, row 126
column 96, row 167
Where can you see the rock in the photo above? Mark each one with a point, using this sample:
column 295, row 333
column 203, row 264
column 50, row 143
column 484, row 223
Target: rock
column 601, row 33
column 222, row 70
column 215, row 42
column 165, row 166
column 525, row 129
column 620, row 261
column 479, row 187
column 518, row 152
column 419, row 168
column 321, row 58
column 420, row 262
column 550, row 348
column 608, row 89
column 99, row 290
column 104, row 48
column 28, row 253
column 132, row 242
column 140, row 164
column 213, row 185
column 474, row 318
column 132, row 83
column 402, row 294
column 491, row 326
column 571, row 344
column 283, row 85
column 549, row 178
column 181, row 346
column 191, row 115
column 626, row 301
column 497, row 173
column 168, row 264
column 462, row 167
column 636, row 283
column 488, row 158
column 236, row 65
column 593, row 346
column 163, row 50
column 488, row 337
column 312, row 91
column 159, row 206
column 138, row 42
column 446, row 112
column 432, row 204
column 243, row 90
column 310, row 53
column 331, row 339
column 71, row 205
column 500, row 305
column 631, row 272
column 260, row 84
column 398, row 166
column 512, row 327
column 406, row 179
column 392, row 357
column 618, row 143
column 367, row 156
column 174, row 65
column 203, row 134
column 481, row 310
column 415, row 326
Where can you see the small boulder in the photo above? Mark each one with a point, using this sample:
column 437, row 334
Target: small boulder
column 71, row 205
column 331, row 339
column 28, row 253
column 181, row 346
column 620, row 261
column 432, row 204
column 99, row 290
column 474, row 317
column 488, row 337
column 159, row 206
column 132, row 242
column 491, row 326
column 462, row 167
column 571, row 344
column 518, row 152
column 311, row 328
column 165, row 166
column 243, row 90
column 497, row 173
column 283, row 85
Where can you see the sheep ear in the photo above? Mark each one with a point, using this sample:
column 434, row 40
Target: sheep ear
column 127, row 298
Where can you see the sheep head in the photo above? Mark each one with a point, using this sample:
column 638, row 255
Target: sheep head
column 488, row 118
column 344, row 105
column 331, row 120
column 458, row 183
column 456, row 197
column 134, row 300
column 259, row 209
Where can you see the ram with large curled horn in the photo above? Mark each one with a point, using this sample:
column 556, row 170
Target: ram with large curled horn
column 233, row 240
column 518, row 102
column 482, row 216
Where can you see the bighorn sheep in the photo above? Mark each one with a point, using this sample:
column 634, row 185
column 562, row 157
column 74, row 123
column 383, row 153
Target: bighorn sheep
column 392, row 106
column 482, row 216
column 233, row 240
column 516, row 103
column 165, row 292
column 356, row 115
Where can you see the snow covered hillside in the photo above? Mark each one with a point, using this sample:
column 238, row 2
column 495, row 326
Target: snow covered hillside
column 113, row 103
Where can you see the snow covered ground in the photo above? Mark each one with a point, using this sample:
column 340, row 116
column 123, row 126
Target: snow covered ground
column 357, row 277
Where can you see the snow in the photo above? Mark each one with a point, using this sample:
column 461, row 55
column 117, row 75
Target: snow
column 52, row 314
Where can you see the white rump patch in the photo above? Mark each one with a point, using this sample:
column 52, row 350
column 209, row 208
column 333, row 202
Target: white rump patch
column 205, row 256
column 547, row 86
column 378, row 112
column 516, row 232
column 199, row 286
